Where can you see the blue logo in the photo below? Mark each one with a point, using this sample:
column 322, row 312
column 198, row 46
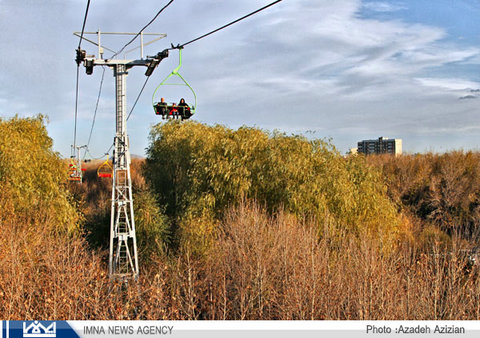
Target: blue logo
column 38, row 330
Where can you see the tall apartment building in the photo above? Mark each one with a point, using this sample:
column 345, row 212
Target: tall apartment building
column 381, row 146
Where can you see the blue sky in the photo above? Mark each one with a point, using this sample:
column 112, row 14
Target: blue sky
column 346, row 69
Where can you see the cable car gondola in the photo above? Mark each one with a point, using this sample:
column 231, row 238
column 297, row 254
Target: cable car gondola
column 181, row 110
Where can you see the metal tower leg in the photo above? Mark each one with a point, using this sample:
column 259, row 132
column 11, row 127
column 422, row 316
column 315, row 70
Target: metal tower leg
column 123, row 259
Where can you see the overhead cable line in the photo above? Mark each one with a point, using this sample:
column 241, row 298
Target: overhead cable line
column 228, row 24
column 189, row 42
column 77, row 80
column 148, row 24
column 83, row 26
column 98, row 157
column 76, row 113
column 138, row 97
column 96, row 107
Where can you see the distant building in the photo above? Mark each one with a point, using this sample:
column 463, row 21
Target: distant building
column 381, row 146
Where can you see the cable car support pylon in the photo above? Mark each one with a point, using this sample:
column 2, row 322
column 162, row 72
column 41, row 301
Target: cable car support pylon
column 123, row 258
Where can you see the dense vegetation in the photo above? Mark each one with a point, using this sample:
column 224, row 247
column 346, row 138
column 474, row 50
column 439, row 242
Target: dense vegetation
column 200, row 171
column 443, row 191
column 240, row 224
column 33, row 177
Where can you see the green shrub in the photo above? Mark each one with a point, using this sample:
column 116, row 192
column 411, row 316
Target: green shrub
column 199, row 171
column 151, row 225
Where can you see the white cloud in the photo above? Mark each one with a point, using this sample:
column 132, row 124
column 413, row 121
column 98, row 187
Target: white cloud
column 355, row 64
column 454, row 84
column 354, row 54
column 380, row 6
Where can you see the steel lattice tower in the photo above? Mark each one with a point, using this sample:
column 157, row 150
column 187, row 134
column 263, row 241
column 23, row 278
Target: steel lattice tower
column 123, row 258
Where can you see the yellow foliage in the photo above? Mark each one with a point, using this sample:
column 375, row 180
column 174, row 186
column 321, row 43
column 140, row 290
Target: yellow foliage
column 199, row 170
column 33, row 176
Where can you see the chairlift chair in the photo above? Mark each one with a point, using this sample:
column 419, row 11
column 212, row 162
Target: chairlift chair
column 173, row 110
column 74, row 174
column 105, row 170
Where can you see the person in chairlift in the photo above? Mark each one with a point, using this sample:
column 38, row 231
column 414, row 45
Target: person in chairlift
column 185, row 109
